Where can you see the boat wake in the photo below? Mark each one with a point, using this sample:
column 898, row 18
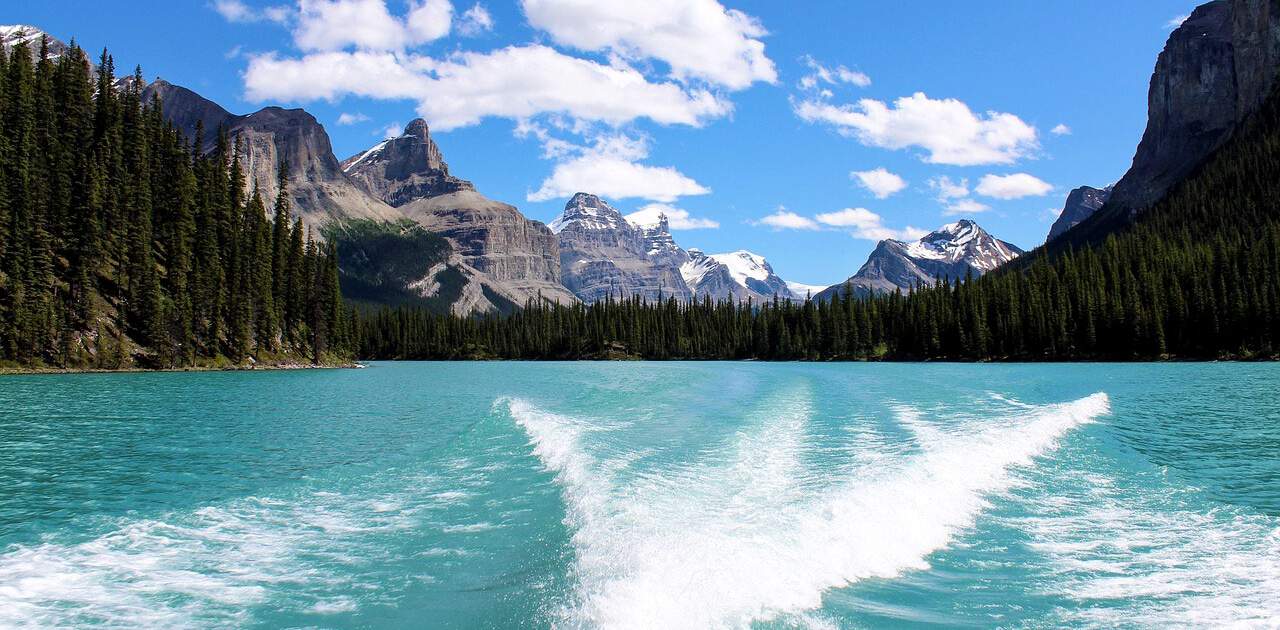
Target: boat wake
column 753, row 533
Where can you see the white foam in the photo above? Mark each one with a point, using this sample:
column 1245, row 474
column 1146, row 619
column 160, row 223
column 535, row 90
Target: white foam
column 749, row 537
column 204, row 567
column 1126, row 554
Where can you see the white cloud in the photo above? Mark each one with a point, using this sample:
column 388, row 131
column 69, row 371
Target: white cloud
column 393, row 130
column 352, row 119
column 1061, row 130
column 514, row 82
column 430, row 20
column 1049, row 215
column 610, row 167
column 1015, row 186
column 865, row 224
column 1176, row 21
column 475, row 20
column 677, row 218
column 965, row 206
column 946, row 128
column 238, row 11
column 697, row 39
column 784, row 219
column 880, row 182
column 328, row 25
column 821, row 74
column 948, row 189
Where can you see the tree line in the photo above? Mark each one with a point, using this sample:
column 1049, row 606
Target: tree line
column 1197, row 276
column 125, row 244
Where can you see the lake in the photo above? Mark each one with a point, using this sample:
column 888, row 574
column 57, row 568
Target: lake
column 644, row 495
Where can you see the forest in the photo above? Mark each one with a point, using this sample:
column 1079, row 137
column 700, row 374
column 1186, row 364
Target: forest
column 1197, row 276
column 123, row 245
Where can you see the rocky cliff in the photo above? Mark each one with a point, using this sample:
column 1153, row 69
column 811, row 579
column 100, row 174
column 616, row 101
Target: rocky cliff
column 320, row 191
column 519, row 255
column 602, row 254
column 951, row 252
column 1081, row 204
column 1215, row 70
column 402, row 169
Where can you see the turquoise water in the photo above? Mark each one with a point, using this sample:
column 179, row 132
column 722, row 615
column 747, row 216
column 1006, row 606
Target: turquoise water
column 640, row 495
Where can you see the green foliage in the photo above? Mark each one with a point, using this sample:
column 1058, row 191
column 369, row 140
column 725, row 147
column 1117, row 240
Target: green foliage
column 122, row 245
column 1197, row 276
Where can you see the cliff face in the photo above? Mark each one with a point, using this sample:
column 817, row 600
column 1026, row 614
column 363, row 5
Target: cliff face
column 518, row 257
column 1215, row 70
column 603, row 254
column 1081, row 204
column 492, row 237
column 320, row 191
column 400, row 170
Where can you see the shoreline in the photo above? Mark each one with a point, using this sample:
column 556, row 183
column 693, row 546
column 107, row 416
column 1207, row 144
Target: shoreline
column 23, row 371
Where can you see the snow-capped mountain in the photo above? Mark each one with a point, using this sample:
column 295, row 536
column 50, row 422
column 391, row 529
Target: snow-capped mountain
column 951, row 252
column 13, row 34
column 741, row 275
column 602, row 254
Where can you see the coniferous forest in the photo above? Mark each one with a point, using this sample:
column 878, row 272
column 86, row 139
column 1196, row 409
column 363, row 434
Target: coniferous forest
column 123, row 245
column 1197, row 276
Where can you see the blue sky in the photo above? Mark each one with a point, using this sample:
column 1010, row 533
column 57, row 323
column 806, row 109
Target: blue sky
column 750, row 116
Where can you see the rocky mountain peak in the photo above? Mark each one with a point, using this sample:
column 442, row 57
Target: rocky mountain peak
column 953, row 251
column 963, row 242
column 405, row 168
column 14, row 34
column 585, row 211
column 1215, row 69
column 1081, row 204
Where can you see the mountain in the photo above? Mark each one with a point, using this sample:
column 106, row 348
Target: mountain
column 320, row 191
column 12, row 34
column 496, row 257
column 402, row 169
column 739, row 275
column 1215, row 69
column 1081, row 204
column 952, row 251
column 520, row 257
column 603, row 254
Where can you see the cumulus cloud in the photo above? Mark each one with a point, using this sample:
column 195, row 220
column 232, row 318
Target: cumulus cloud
column 947, row 129
column 238, row 11
column 610, row 167
column 785, row 219
column 514, row 82
column 865, row 224
column 948, row 189
column 351, row 119
column 328, row 25
column 965, row 206
column 880, row 182
column 820, row 75
column 697, row 39
column 475, row 20
column 1015, row 186
column 1061, row 130
column 677, row 218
